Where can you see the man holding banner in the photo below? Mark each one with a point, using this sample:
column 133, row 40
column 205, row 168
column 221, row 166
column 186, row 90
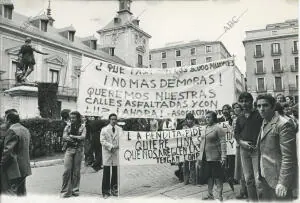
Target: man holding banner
column 109, row 138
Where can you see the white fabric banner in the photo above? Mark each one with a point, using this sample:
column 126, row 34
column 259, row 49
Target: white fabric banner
column 154, row 93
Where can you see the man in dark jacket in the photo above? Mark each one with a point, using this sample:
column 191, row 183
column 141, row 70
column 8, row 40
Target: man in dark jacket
column 246, row 133
column 15, row 157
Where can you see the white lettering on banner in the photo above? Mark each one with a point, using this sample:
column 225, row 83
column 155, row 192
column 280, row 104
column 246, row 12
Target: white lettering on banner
column 154, row 93
column 142, row 148
column 230, row 141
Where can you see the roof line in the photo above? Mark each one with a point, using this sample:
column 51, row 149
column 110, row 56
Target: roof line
column 51, row 41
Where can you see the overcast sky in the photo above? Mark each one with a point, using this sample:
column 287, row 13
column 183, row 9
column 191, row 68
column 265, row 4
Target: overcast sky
column 173, row 20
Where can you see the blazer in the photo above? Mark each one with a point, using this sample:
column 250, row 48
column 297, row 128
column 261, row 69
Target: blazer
column 15, row 157
column 213, row 143
column 109, row 139
column 277, row 152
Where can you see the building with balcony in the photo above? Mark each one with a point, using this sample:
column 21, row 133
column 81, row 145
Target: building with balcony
column 62, row 65
column 271, row 56
column 179, row 54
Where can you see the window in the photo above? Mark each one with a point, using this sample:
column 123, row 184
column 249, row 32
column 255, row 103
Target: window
column 44, row 25
column 71, row 36
column 278, row 83
column 177, row 52
column 8, row 11
column 296, row 81
column 149, row 56
column 193, row 61
column 94, row 44
column 140, row 60
column 163, row 55
column 259, row 66
column 178, row 63
column 296, row 63
column 208, row 59
column 295, row 46
column 193, row 51
column 112, row 51
column 208, row 49
column 14, row 66
column 164, row 65
column 258, row 51
column 277, row 65
column 275, row 48
column 150, row 66
column 54, row 76
column 260, row 84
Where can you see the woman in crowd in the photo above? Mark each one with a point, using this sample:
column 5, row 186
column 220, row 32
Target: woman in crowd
column 213, row 155
column 289, row 100
column 238, row 173
column 74, row 135
column 189, row 167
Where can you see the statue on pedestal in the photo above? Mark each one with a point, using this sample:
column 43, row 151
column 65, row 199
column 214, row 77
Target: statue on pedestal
column 26, row 61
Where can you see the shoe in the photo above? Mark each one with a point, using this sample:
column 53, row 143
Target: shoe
column 75, row 194
column 241, row 196
column 208, row 197
column 105, row 196
column 65, row 196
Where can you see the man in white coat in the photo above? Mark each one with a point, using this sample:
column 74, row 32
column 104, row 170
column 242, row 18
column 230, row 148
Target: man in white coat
column 109, row 138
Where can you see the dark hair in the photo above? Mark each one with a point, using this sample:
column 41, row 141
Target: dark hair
column 77, row 114
column 226, row 105
column 65, row 113
column 111, row 115
column 267, row 97
column 245, row 95
column 290, row 97
column 190, row 116
column 11, row 111
column 234, row 104
column 279, row 108
column 214, row 115
column 13, row 118
column 281, row 95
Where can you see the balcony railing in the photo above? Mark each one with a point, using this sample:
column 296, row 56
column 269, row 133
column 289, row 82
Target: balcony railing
column 258, row 54
column 277, row 70
column 276, row 53
column 260, row 72
column 293, row 87
column 261, row 90
column 294, row 51
column 66, row 91
column 294, row 68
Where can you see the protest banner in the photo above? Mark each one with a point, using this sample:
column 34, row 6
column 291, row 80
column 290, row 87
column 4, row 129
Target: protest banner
column 174, row 146
column 154, row 93
column 157, row 147
column 230, row 141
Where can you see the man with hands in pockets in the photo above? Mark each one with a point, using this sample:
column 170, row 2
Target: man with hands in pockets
column 109, row 138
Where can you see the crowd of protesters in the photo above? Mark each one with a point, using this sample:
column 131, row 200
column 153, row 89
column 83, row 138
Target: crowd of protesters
column 264, row 166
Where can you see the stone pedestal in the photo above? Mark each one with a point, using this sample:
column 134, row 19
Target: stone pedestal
column 23, row 98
